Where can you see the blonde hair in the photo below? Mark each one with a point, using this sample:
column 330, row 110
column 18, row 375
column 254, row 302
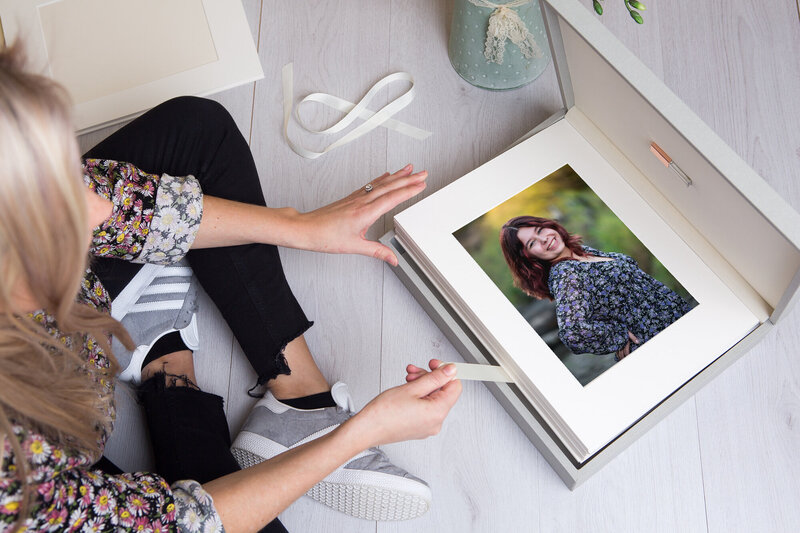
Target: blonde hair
column 45, row 385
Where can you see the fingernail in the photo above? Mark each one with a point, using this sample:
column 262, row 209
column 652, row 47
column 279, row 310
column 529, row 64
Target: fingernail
column 449, row 369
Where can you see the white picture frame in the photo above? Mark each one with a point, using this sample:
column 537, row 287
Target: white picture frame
column 233, row 59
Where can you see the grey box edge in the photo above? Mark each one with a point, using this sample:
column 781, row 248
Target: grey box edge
column 571, row 473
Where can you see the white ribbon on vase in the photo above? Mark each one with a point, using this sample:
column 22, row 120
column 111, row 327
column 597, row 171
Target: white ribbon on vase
column 372, row 119
column 505, row 23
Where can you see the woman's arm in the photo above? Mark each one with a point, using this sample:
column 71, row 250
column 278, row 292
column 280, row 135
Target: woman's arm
column 99, row 208
column 248, row 499
column 336, row 228
column 625, row 351
column 145, row 217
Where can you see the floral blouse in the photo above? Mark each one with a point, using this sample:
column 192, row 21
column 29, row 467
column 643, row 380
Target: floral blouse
column 598, row 303
column 154, row 219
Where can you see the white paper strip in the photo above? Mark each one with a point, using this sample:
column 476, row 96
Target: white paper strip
column 481, row 372
column 372, row 119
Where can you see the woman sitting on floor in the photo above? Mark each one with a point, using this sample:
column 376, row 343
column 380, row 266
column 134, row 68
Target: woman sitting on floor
column 178, row 182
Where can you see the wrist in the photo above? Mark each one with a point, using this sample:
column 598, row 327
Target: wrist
column 304, row 229
column 356, row 432
column 293, row 226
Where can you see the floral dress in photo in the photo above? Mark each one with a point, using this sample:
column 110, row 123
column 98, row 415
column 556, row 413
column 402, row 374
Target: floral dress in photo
column 598, row 303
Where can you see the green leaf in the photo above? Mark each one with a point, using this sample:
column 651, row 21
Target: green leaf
column 598, row 8
column 637, row 17
column 637, row 5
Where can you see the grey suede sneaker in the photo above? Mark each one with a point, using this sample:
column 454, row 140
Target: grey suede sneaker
column 368, row 486
column 160, row 299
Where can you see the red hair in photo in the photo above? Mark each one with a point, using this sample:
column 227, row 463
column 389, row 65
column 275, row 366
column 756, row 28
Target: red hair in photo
column 530, row 274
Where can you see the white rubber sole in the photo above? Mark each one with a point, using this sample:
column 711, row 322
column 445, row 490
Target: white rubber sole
column 363, row 494
column 369, row 502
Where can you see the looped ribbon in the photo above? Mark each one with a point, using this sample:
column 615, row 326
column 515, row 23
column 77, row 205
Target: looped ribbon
column 505, row 23
column 372, row 119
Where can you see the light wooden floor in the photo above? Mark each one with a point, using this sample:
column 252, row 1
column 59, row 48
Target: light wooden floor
column 727, row 460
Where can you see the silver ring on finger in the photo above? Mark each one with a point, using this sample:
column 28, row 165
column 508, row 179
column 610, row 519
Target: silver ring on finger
column 368, row 187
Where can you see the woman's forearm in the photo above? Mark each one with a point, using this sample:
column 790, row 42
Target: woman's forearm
column 339, row 227
column 249, row 499
column 229, row 223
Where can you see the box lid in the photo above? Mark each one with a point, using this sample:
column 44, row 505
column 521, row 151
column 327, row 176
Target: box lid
column 728, row 203
column 133, row 71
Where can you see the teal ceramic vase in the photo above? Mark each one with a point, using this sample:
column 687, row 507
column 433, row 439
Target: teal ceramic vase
column 498, row 45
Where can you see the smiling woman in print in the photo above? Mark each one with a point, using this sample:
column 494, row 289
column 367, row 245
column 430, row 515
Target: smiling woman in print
column 604, row 302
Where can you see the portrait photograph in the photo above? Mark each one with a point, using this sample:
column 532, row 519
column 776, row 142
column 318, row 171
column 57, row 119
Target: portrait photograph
column 582, row 280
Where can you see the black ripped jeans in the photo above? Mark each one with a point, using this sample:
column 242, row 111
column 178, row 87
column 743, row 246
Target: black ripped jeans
column 189, row 135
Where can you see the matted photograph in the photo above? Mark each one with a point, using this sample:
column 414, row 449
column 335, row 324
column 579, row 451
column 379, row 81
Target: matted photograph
column 583, row 281
column 627, row 290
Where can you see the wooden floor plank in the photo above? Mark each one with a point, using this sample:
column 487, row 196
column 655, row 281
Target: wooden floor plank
column 338, row 48
column 725, row 66
column 655, row 485
column 750, row 439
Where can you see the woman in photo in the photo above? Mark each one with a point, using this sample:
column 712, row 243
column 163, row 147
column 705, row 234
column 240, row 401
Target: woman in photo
column 176, row 188
column 604, row 302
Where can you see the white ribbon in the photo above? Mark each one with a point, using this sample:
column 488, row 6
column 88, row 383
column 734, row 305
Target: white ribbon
column 505, row 23
column 372, row 119
column 478, row 372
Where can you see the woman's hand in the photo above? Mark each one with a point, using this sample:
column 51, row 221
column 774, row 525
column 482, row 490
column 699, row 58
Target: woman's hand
column 413, row 371
column 415, row 410
column 341, row 227
column 623, row 353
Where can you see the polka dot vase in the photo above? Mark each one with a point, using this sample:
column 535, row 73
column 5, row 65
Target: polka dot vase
column 468, row 41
